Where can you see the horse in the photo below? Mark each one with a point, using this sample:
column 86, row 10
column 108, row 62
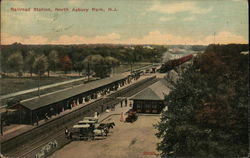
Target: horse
column 110, row 125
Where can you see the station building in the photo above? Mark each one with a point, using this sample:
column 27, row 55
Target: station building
column 30, row 111
column 151, row 99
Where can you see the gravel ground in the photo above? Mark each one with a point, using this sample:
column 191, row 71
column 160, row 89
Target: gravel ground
column 126, row 140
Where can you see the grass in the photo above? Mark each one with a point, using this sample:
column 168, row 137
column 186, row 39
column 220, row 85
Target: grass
column 12, row 84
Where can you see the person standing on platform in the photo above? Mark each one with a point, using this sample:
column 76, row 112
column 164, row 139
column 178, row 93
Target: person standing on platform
column 46, row 116
column 37, row 120
column 66, row 132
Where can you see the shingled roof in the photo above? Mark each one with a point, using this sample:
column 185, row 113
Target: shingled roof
column 156, row 91
column 68, row 93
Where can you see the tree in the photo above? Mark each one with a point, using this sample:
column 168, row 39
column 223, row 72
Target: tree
column 208, row 107
column 40, row 65
column 29, row 61
column 66, row 63
column 112, row 62
column 15, row 62
column 3, row 62
column 52, row 61
column 78, row 64
column 98, row 64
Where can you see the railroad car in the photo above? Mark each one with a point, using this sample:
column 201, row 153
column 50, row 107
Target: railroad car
column 171, row 64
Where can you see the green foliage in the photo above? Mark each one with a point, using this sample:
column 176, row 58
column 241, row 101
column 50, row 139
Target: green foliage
column 15, row 62
column 208, row 106
column 29, row 61
column 53, row 60
column 100, row 65
column 40, row 65
column 68, row 57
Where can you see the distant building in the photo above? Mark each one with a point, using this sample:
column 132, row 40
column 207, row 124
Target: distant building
column 151, row 100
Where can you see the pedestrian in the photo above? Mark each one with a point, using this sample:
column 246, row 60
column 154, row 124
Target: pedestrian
column 122, row 117
column 46, row 116
column 66, row 132
column 70, row 135
column 37, row 119
column 51, row 112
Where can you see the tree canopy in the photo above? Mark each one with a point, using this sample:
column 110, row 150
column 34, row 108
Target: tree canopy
column 40, row 65
column 71, row 57
column 208, row 107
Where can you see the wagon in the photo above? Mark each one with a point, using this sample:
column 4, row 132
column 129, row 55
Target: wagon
column 81, row 132
column 132, row 116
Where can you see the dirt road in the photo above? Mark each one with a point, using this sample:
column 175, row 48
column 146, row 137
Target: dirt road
column 126, row 140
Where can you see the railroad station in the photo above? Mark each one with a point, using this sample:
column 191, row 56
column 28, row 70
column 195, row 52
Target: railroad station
column 41, row 114
column 86, row 112
column 151, row 99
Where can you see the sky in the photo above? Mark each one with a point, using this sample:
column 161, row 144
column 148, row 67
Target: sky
column 167, row 22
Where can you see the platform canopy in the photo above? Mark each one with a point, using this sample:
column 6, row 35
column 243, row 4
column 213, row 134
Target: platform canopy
column 69, row 92
column 156, row 91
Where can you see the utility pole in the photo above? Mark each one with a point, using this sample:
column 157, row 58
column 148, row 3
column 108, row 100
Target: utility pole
column 131, row 68
column 88, row 71
column 39, row 84
column 214, row 37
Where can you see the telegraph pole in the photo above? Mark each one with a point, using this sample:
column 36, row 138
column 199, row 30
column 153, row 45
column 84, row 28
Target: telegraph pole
column 88, row 71
column 214, row 37
column 131, row 68
column 39, row 84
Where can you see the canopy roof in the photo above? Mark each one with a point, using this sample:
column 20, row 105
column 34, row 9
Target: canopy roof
column 68, row 93
column 156, row 91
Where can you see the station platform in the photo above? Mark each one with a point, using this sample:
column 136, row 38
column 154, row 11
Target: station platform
column 17, row 129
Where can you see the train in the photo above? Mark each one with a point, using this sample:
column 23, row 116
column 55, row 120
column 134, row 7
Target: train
column 171, row 64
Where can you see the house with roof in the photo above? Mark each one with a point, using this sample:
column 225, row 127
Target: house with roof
column 151, row 99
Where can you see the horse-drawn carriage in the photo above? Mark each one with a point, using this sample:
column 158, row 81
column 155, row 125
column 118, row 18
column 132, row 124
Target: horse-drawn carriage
column 89, row 129
column 81, row 132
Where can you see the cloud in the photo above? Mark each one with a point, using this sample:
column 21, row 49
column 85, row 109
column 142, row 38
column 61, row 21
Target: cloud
column 153, row 37
column 163, row 19
column 225, row 37
column 156, row 37
column 8, row 39
column 177, row 7
column 65, row 39
column 191, row 18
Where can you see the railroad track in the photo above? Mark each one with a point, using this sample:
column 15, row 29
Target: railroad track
column 30, row 148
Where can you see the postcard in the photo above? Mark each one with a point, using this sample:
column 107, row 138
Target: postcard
column 124, row 78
